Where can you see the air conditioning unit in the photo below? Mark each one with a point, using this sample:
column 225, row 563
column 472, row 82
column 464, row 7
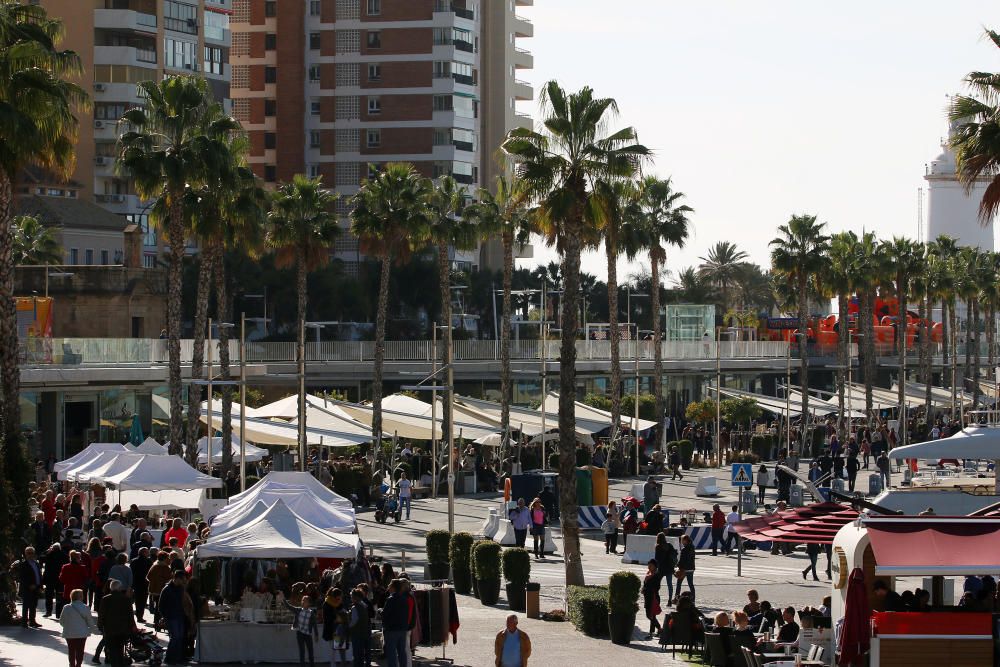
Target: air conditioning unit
column 99, row 87
column 98, row 124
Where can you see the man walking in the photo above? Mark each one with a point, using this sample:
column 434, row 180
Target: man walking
column 520, row 518
column 29, row 582
column 405, row 487
column 718, row 529
column 675, row 464
column 114, row 618
column 731, row 519
column 395, row 623
column 140, row 566
column 884, row 470
column 171, row 609
column 512, row 646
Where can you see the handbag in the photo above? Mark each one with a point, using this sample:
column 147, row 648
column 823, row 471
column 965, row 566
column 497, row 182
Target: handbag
column 680, row 572
column 656, row 609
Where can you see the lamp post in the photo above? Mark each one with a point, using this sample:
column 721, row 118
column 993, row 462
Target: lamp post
column 544, row 353
column 434, row 438
column 788, row 396
column 635, row 348
column 208, row 375
column 718, row 396
column 243, row 401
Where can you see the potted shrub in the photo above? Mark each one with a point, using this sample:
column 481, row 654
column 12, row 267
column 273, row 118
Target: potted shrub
column 516, row 572
column 458, row 551
column 438, row 542
column 587, row 609
column 472, row 566
column 623, row 592
column 686, row 448
column 487, row 571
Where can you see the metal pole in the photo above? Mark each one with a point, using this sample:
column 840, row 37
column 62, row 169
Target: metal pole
column 302, row 398
column 208, row 442
column 545, row 334
column 788, row 397
column 451, row 433
column 902, row 385
column 434, row 443
column 243, row 401
column 493, row 291
column 718, row 397
column 850, row 382
column 635, row 424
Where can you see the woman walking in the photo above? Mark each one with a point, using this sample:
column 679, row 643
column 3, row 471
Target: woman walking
column 685, row 566
column 761, row 483
column 665, row 556
column 651, row 597
column 539, row 519
column 77, row 624
column 812, row 550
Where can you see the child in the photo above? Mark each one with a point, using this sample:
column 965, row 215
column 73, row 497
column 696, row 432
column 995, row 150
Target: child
column 651, row 597
column 610, row 529
column 305, row 628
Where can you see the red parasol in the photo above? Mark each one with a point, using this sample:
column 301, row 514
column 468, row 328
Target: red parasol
column 856, row 633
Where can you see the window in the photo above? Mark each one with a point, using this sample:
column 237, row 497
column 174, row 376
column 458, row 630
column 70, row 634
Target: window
column 270, row 107
column 348, row 173
column 464, row 106
column 180, row 17
column 179, row 54
column 314, row 106
column 213, row 60
column 148, row 261
column 313, row 170
column 314, row 8
column 270, row 41
column 347, row 140
column 462, row 72
column 374, row 7
column 314, row 41
column 374, row 38
column 347, row 107
column 313, row 73
column 216, row 25
column 374, row 72
column 89, row 255
column 105, row 257
column 270, row 140
column 374, row 105
column 74, row 256
column 270, row 74
column 270, row 8
column 373, row 138
column 110, row 111
column 443, row 103
column 348, row 9
column 270, row 173
column 314, row 138
column 239, row 76
column 148, row 232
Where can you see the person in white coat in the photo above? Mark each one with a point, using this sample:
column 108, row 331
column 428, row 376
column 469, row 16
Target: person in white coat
column 78, row 623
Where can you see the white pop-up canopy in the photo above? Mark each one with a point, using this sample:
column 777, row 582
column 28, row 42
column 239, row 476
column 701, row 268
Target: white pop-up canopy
column 252, row 452
column 158, row 473
column 267, row 432
column 151, row 446
column 972, row 442
column 280, row 533
column 306, row 505
column 301, row 482
column 414, row 421
column 92, row 451
column 529, row 421
column 162, row 500
column 104, row 462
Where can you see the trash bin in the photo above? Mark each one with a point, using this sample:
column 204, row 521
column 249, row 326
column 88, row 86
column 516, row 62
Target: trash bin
column 748, row 502
column 874, row 484
column 795, row 495
column 838, row 485
column 531, row 599
column 599, row 478
column 584, row 487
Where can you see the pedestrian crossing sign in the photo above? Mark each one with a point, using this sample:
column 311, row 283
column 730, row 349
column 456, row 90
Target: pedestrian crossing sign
column 742, row 474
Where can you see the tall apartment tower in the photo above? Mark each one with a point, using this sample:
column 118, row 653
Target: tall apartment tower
column 336, row 88
column 123, row 42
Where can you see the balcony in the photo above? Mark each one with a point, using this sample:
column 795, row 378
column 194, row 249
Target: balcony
column 468, row 47
column 524, row 120
column 523, row 92
column 523, row 27
column 124, row 55
column 124, row 19
column 464, row 79
column 523, row 59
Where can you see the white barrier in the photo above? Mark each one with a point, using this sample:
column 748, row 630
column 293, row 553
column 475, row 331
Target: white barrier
column 505, row 536
column 491, row 524
column 707, row 487
column 642, row 548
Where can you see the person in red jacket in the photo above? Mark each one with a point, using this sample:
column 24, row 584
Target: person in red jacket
column 178, row 531
column 73, row 575
column 718, row 530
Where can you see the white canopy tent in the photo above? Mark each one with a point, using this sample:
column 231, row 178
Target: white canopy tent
column 285, row 408
column 252, row 453
column 280, row 533
column 306, row 505
column 152, row 447
column 108, row 461
column 92, row 451
column 940, row 397
column 332, row 417
column 821, row 406
column 299, row 481
column 529, row 421
column 972, row 442
column 158, row 473
column 163, row 500
column 267, row 432
column 590, row 413
column 237, row 408
column 770, row 403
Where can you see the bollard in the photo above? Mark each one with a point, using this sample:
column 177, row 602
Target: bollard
column 531, row 599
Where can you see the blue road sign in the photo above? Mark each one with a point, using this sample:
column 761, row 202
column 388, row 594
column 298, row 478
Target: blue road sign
column 742, row 474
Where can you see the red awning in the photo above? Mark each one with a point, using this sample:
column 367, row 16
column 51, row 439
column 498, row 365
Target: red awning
column 813, row 524
column 935, row 545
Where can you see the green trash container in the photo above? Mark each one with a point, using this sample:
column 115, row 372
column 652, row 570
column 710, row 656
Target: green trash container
column 584, row 487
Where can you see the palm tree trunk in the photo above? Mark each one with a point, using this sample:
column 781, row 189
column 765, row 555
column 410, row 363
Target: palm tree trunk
column 843, row 355
column 925, row 357
column 804, row 359
column 444, row 282
column 301, row 273
column 13, row 461
column 614, row 333
column 567, row 403
column 945, row 342
column 975, row 357
column 953, row 330
column 988, row 327
column 505, row 372
column 175, row 277
column 380, row 315
column 901, row 332
column 206, row 265
column 969, row 323
column 223, row 312
column 868, row 346
column 657, row 347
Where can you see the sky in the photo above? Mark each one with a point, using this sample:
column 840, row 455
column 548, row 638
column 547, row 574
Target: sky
column 760, row 109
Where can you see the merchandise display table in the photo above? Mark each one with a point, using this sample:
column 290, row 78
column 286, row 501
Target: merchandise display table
column 236, row 642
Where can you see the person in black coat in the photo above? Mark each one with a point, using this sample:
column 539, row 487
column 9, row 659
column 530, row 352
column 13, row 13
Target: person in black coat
column 140, row 587
column 39, row 533
column 665, row 556
column 29, row 583
column 852, row 470
column 53, row 560
column 651, row 597
column 685, row 565
column 654, row 521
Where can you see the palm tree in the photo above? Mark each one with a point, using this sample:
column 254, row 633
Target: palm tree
column 34, row 243
column 837, row 278
column 868, row 269
column 905, row 263
column 302, row 228
column 797, row 254
column 390, row 218
column 976, row 135
column 503, row 213
column 162, row 152
column 559, row 167
column 38, row 127
column 665, row 223
column 691, row 287
column 448, row 229
column 723, row 266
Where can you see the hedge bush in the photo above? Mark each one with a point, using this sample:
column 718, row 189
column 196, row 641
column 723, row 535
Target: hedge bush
column 588, row 609
column 516, row 566
column 438, row 543
column 686, row 449
column 487, row 557
column 623, row 591
column 458, row 551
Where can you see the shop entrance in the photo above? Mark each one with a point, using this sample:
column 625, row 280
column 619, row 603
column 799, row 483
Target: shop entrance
column 80, row 425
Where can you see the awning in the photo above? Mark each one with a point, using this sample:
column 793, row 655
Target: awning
column 928, row 545
column 972, row 442
column 813, row 524
column 590, row 413
column 266, row 432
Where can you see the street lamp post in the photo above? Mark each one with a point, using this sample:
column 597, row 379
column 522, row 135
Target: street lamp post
column 208, row 375
column 788, row 396
column 434, row 442
column 243, row 401
column 718, row 396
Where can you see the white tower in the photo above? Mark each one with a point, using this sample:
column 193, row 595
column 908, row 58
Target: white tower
column 950, row 209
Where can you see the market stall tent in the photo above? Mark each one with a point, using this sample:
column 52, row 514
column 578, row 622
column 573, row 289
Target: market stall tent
column 107, row 461
column 252, row 452
column 92, row 450
column 584, row 411
column 268, row 432
column 280, row 533
column 306, row 505
column 151, row 446
column 170, row 500
column 158, row 473
column 298, row 481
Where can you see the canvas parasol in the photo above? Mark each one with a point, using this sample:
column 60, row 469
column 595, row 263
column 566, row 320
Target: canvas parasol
column 856, row 634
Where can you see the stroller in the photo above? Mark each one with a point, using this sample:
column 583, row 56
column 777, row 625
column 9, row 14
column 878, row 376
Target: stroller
column 143, row 647
column 388, row 506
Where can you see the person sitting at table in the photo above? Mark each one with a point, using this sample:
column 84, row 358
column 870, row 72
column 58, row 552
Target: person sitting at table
column 725, row 632
column 752, row 607
column 685, row 603
column 923, row 600
column 789, row 632
column 824, row 607
column 767, row 620
column 888, row 599
column 742, row 634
